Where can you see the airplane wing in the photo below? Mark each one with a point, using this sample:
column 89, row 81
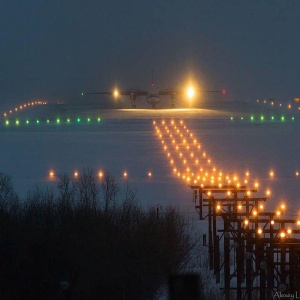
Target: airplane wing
column 174, row 92
column 170, row 92
column 131, row 92
column 96, row 93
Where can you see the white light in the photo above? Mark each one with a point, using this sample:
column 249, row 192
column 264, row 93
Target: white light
column 190, row 92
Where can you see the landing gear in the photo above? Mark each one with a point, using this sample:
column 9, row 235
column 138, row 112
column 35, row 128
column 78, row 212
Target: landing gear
column 172, row 102
column 133, row 98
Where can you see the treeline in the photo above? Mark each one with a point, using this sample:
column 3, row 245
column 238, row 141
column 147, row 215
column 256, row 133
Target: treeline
column 87, row 239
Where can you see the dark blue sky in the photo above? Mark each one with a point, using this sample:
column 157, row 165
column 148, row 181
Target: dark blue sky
column 56, row 49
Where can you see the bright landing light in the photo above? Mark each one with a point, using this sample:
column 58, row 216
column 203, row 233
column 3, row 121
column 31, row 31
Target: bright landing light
column 190, row 92
column 116, row 93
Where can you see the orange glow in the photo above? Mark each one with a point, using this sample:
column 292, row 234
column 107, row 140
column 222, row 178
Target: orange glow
column 149, row 174
column 100, row 174
column 125, row 174
column 51, row 174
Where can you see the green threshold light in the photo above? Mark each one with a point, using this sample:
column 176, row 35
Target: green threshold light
column 282, row 118
column 272, row 118
column 262, row 118
column 78, row 120
column 98, row 119
column 252, row 118
column 37, row 121
column 27, row 122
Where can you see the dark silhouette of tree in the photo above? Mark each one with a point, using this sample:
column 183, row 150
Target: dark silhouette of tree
column 88, row 239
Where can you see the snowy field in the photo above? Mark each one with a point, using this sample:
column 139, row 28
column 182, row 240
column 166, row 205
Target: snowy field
column 125, row 140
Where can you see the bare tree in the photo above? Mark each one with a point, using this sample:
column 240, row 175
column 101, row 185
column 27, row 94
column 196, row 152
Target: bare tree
column 109, row 190
column 8, row 197
column 88, row 188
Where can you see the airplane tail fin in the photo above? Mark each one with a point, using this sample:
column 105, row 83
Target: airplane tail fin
column 152, row 81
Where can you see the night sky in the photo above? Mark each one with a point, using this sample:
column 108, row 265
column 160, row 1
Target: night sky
column 56, row 49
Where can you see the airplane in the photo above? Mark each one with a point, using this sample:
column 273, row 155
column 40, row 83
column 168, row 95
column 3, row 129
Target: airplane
column 154, row 98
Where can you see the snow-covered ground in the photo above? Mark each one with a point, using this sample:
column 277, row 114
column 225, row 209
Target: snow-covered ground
column 124, row 140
